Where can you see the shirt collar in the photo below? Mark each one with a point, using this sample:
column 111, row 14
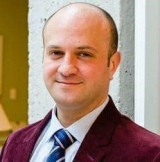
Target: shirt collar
column 79, row 128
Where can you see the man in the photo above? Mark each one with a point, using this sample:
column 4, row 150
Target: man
column 80, row 59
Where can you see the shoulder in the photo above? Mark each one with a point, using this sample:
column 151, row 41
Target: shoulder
column 29, row 129
column 23, row 139
column 20, row 135
column 137, row 140
column 15, row 139
column 137, row 132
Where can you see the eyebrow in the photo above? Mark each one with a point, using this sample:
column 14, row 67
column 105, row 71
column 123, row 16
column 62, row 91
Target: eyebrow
column 87, row 47
column 54, row 46
column 81, row 47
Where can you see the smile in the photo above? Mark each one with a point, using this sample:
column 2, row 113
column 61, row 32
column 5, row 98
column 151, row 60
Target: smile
column 68, row 83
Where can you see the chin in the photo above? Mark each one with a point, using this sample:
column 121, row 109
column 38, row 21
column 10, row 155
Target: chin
column 67, row 101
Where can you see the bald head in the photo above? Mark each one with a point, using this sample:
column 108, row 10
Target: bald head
column 85, row 13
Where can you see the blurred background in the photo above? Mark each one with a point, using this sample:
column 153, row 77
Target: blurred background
column 14, row 67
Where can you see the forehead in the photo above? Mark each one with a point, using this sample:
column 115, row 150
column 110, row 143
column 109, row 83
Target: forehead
column 81, row 25
column 77, row 15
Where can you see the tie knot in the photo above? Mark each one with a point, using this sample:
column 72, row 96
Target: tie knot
column 63, row 138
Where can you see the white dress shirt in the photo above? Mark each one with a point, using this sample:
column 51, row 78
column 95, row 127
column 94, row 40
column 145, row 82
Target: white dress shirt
column 78, row 129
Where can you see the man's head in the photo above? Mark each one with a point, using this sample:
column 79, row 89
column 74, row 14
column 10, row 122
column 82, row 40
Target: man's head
column 78, row 40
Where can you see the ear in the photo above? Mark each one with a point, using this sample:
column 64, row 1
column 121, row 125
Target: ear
column 114, row 62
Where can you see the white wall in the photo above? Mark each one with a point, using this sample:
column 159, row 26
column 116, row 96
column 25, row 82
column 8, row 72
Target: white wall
column 152, row 112
column 147, row 73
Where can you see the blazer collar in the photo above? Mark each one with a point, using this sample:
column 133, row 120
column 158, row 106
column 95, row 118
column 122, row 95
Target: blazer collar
column 103, row 128
column 100, row 134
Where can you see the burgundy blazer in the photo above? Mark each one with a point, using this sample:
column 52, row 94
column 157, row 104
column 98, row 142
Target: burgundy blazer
column 112, row 138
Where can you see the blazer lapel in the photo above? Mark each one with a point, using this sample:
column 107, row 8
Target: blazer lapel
column 95, row 146
column 24, row 149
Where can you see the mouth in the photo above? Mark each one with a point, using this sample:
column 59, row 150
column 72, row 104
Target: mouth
column 69, row 83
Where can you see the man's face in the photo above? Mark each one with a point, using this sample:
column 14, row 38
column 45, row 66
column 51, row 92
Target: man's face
column 76, row 71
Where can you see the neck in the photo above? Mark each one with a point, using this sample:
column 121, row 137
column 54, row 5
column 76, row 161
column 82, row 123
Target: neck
column 67, row 115
column 68, row 118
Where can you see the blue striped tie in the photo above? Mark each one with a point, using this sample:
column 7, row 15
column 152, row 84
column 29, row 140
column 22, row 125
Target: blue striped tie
column 63, row 139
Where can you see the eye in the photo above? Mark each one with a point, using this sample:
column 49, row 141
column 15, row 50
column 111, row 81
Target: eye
column 85, row 54
column 56, row 54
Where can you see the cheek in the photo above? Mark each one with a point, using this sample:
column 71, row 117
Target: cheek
column 86, row 72
column 95, row 72
column 49, row 70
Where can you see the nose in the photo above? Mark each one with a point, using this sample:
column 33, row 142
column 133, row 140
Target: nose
column 68, row 66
